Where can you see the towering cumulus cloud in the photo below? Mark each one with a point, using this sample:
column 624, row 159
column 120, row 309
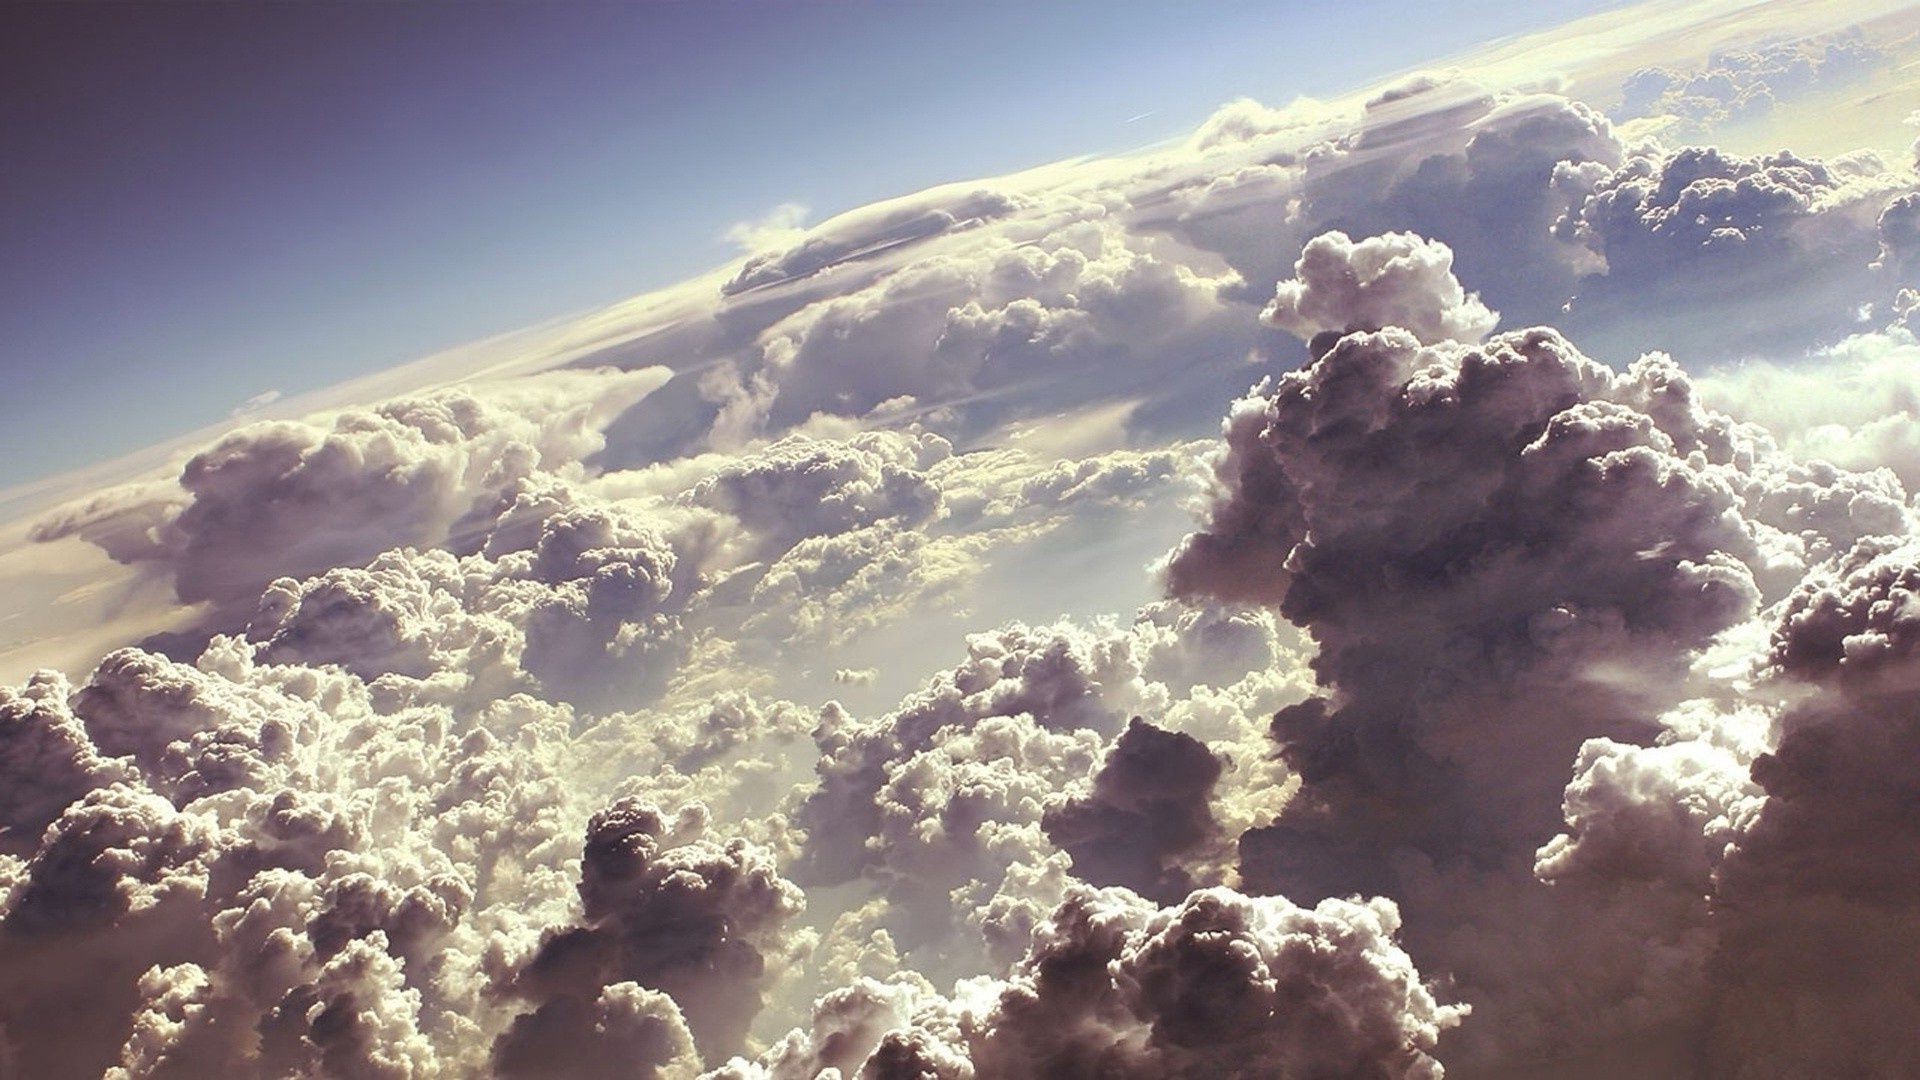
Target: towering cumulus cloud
column 1219, row 984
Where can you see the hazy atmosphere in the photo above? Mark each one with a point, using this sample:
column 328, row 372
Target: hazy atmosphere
column 770, row 541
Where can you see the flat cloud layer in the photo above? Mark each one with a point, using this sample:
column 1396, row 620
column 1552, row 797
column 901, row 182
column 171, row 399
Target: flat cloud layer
column 786, row 693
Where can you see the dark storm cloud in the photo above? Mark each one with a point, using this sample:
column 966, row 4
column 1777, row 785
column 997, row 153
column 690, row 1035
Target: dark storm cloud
column 1149, row 804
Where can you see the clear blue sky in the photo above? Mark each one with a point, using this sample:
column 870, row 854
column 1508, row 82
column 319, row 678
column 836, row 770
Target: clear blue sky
column 202, row 202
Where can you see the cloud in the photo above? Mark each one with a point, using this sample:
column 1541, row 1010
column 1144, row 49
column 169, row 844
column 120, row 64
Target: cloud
column 1899, row 227
column 1853, row 404
column 1398, row 279
column 1057, row 679
column 1778, row 822
column 48, row 759
column 1508, row 556
column 868, row 229
column 1706, row 229
column 801, row 487
column 1743, row 85
column 257, row 402
column 1512, row 709
column 666, row 909
column 294, row 498
column 970, row 324
column 1114, row 985
column 1148, row 805
column 1444, row 159
column 780, row 228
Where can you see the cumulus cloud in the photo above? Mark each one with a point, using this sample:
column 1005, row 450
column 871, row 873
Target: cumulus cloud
column 1147, row 806
column 1483, row 542
column 293, row 497
column 1899, row 226
column 954, row 325
column 801, row 487
column 1782, row 246
column 1398, row 279
column 1853, row 404
column 47, row 757
column 662, row 908
column 1441, row 158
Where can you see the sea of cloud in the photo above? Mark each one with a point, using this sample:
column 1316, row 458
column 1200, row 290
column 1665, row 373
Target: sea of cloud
column 1504, row 703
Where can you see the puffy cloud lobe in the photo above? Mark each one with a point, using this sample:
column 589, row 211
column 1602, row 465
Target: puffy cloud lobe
column 1397, row 279
column 663, row 909
column 627, row 1030
column 1219, row 983
column 175, row 1017
column 951, row 807
column 167, row 716
column 119, row 851
column 1149, row 805
column 580, row 598
column 1656, row 210
column 1383, row 453
column 1743, row 85
column 964, row 809
column 844, row 1033
column 1481, row 541
column 1666, row 813
column 47, row 758
column 1899, row 227
column 399, row 615
column 1816, row 899
column 1863, row 618
column 1061, row 680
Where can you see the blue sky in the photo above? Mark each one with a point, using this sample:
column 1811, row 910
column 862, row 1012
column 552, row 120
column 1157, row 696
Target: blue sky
column 201, row 203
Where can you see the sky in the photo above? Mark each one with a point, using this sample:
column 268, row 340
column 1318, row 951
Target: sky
column 208, row 202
